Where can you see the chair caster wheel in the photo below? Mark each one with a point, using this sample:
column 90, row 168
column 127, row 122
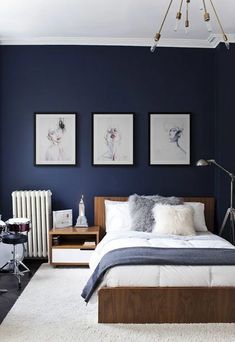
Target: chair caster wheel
column 19, row 287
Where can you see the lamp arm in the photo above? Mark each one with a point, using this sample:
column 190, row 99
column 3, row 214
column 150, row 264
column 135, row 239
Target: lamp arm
column 212, row 161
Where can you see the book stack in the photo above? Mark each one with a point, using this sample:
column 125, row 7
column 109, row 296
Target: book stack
column 89, row 243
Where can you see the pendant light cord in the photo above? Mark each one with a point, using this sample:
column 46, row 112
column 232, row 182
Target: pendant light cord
column 164, row 19
column 219, row 22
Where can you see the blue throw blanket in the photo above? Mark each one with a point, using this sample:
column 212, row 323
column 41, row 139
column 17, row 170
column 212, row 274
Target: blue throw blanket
column 157, row 256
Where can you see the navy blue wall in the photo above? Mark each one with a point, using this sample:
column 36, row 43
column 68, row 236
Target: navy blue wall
column 225, row 124
column 86, row 79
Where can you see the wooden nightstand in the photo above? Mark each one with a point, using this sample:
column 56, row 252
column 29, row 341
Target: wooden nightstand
column 72, row 246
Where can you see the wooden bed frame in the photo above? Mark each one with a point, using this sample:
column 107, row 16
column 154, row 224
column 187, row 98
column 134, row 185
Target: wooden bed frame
column 164, row 304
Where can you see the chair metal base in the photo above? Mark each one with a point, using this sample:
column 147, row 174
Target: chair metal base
column 14, row 267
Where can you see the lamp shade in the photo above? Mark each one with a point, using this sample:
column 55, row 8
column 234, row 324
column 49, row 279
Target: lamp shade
column 202, row 162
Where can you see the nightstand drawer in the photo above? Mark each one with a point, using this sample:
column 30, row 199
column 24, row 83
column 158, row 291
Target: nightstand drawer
column 71, row 255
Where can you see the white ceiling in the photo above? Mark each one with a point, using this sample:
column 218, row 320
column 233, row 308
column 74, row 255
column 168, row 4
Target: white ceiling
column 108, row 22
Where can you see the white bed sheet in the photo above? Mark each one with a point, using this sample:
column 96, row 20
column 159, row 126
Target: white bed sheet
column 154, row 275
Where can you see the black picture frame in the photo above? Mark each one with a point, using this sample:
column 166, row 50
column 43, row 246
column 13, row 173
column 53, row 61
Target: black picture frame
column 55, row 138
column 177, row 154
column 105, row 150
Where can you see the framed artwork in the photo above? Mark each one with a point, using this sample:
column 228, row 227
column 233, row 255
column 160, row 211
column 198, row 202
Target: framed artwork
column 55, row 138
column 62, row 218
column 169, row 138
column 113, row 136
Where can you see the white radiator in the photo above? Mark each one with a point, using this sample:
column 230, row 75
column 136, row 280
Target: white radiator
column 36, row 206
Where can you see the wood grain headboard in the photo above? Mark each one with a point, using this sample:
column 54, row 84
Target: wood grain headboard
column 99, row 209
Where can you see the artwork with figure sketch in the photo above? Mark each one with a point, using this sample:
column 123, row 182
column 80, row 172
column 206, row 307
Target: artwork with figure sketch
column 113, row 138
column 55, row 139
column 169, row 139
column 62, row 218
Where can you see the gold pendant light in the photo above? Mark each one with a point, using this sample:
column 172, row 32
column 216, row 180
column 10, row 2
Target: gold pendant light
column 206, row 17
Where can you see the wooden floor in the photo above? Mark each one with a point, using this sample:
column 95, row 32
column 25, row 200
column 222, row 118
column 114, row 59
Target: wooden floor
column 9, row 282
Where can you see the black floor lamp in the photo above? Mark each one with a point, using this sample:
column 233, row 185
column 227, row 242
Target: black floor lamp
column 230, row 213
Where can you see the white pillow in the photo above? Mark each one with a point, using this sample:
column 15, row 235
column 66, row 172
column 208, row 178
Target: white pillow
column 173, row 219
column 117, row 216
column 198, row 216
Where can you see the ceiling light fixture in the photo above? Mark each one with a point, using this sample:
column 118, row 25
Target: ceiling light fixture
column 206, row 18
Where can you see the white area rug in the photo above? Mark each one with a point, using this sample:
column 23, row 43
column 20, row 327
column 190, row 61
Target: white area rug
column 51, row 309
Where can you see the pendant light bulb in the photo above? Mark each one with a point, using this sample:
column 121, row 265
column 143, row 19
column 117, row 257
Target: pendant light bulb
column 226, row 41
column 208, row 25
column 186, row 24
column 227, row 45
column 178, row 21
column 207, row 20
column 156, row 40
column 177, row 24
column 186, row 27
column 153, row 47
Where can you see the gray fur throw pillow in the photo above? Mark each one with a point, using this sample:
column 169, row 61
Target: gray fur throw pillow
column 141, row 210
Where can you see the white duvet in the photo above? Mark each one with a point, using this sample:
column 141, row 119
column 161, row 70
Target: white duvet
column 154, row 275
